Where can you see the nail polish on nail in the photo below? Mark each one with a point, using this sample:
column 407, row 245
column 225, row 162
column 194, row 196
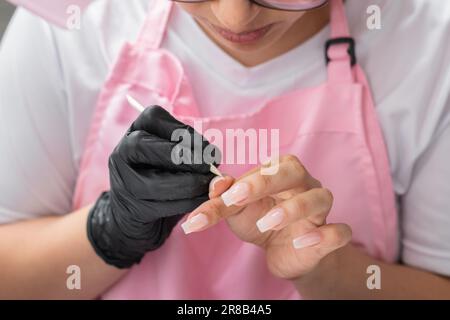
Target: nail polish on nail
column 237, row 193
column 307, row 240
column 214, row 181
column 195, row 223
column 271, row 220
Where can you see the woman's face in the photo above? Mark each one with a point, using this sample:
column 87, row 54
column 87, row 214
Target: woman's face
column 252, row 33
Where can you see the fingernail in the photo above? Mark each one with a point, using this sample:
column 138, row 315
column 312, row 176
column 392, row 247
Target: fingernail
column 213, row 182
column 270, row 220
column 195, row 223
column 237, row 193
column 270, row 161
column 307, row 240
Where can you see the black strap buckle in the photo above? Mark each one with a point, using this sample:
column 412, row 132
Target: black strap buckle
column 351, row 48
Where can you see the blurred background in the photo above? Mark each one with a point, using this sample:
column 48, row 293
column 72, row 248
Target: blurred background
column 6, row 10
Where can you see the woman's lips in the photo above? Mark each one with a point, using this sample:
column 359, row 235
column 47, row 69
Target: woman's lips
column 243, row 37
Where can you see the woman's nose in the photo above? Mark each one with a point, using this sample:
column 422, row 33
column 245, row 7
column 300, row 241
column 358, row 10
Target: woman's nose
column 235, row 15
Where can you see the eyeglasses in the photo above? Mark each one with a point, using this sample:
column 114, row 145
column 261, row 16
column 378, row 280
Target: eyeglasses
column 286, row 5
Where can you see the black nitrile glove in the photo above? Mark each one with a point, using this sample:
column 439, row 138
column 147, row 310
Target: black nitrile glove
column 149, row 192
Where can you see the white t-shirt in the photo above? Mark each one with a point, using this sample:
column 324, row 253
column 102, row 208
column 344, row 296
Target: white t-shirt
column 50, row 80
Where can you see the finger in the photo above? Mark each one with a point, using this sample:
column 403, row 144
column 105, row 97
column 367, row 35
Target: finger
column 250, row 172
column 154, row 184
column 150, row 210
column 219, row 185
column 291, row 174
column 208, row 214
column 158, row 121
column 142, row 148
column 314, row 205
column 324, row 239
column 260, row 168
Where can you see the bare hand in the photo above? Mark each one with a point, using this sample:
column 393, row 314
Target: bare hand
column 285, row 214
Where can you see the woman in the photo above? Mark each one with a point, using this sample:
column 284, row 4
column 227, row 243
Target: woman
column 310, row 229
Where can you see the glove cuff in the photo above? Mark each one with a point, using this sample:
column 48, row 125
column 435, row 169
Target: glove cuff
column 104, row 235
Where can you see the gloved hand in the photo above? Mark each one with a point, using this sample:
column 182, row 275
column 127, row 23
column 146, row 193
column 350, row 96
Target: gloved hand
column 149, row 192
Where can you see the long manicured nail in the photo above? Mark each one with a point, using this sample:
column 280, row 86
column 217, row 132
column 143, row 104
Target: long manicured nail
column 213, row 183
column 307, row 240
column 237, row 193
column 272, row 219
column 195, row 223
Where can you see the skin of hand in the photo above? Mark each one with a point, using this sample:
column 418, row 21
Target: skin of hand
column 342, row 274
column 285, row 214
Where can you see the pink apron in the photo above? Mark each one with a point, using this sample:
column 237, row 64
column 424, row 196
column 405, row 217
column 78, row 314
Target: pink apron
column 332, row 128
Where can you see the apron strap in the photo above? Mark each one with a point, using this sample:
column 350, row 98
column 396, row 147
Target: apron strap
column 339, row 25
column 155, row 26
column 340, row 49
